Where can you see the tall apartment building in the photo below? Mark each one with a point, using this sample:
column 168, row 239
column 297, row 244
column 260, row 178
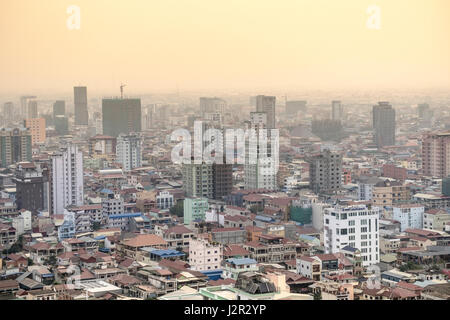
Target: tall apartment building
column 436, row 154
column 31, row 187
column 355, row 226
column 337, row 110
column 267, row 104
column 32, row 109
column 383, row 124
column 129, row 151
column 325, row 170
column 24, row 105
column 37, row 129
column 194, row 209
column 198, row 180
column 121, row 116
column 8, row 112
column 15, row 145
column 258, row 170
column 66, row 179
column 204, row 256
column 81, row 107
column 61, row 125
column 410, row 216
column 222, row 180
column 212, row 105
column 59, row 108
column 211, row 181
column 425, row 115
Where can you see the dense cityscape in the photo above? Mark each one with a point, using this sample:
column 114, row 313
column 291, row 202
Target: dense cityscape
column 92, row 206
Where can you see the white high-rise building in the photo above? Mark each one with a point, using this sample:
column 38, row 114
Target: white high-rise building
column 355, row 226
column 337, row 110
column 410, row 216
column 66, row 179
column 258, row 169
column 129, row 151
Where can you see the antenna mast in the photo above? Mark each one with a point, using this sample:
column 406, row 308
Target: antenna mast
column 121, row 90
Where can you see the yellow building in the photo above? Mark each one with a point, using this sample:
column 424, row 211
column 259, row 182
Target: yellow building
column 387, row 193
column 37, row 129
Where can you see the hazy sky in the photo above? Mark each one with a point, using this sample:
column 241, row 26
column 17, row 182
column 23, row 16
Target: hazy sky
column 154, row 45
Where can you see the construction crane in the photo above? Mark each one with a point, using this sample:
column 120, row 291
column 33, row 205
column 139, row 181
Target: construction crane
column 121, row 90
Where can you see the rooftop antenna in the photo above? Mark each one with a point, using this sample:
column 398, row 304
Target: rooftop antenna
column 121, row 90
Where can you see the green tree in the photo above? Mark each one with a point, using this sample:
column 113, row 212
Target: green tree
column 178, row 209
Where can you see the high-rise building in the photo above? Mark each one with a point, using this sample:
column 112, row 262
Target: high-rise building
column 32, row 111
column 61, row 125
column 354, row 226
column 436, row 154
column 325, row 170
column 294, row 107
column 267, row 104
column 337, row 110
column 31, row 187
column 383, row 124
column 198, row 180
column 259, row 168
column 24, row 105
column 59, row 108
column 8, row 111
column 66, row 179
column 37, row 129
column 121, row 116
column 211, row 181
column 129, row 151
column 222, row 180
column 80, row 105
column 15, row 145
column 425, row 115
column 212, row 105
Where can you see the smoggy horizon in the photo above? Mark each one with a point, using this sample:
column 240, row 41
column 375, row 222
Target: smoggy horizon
column 188, row 46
